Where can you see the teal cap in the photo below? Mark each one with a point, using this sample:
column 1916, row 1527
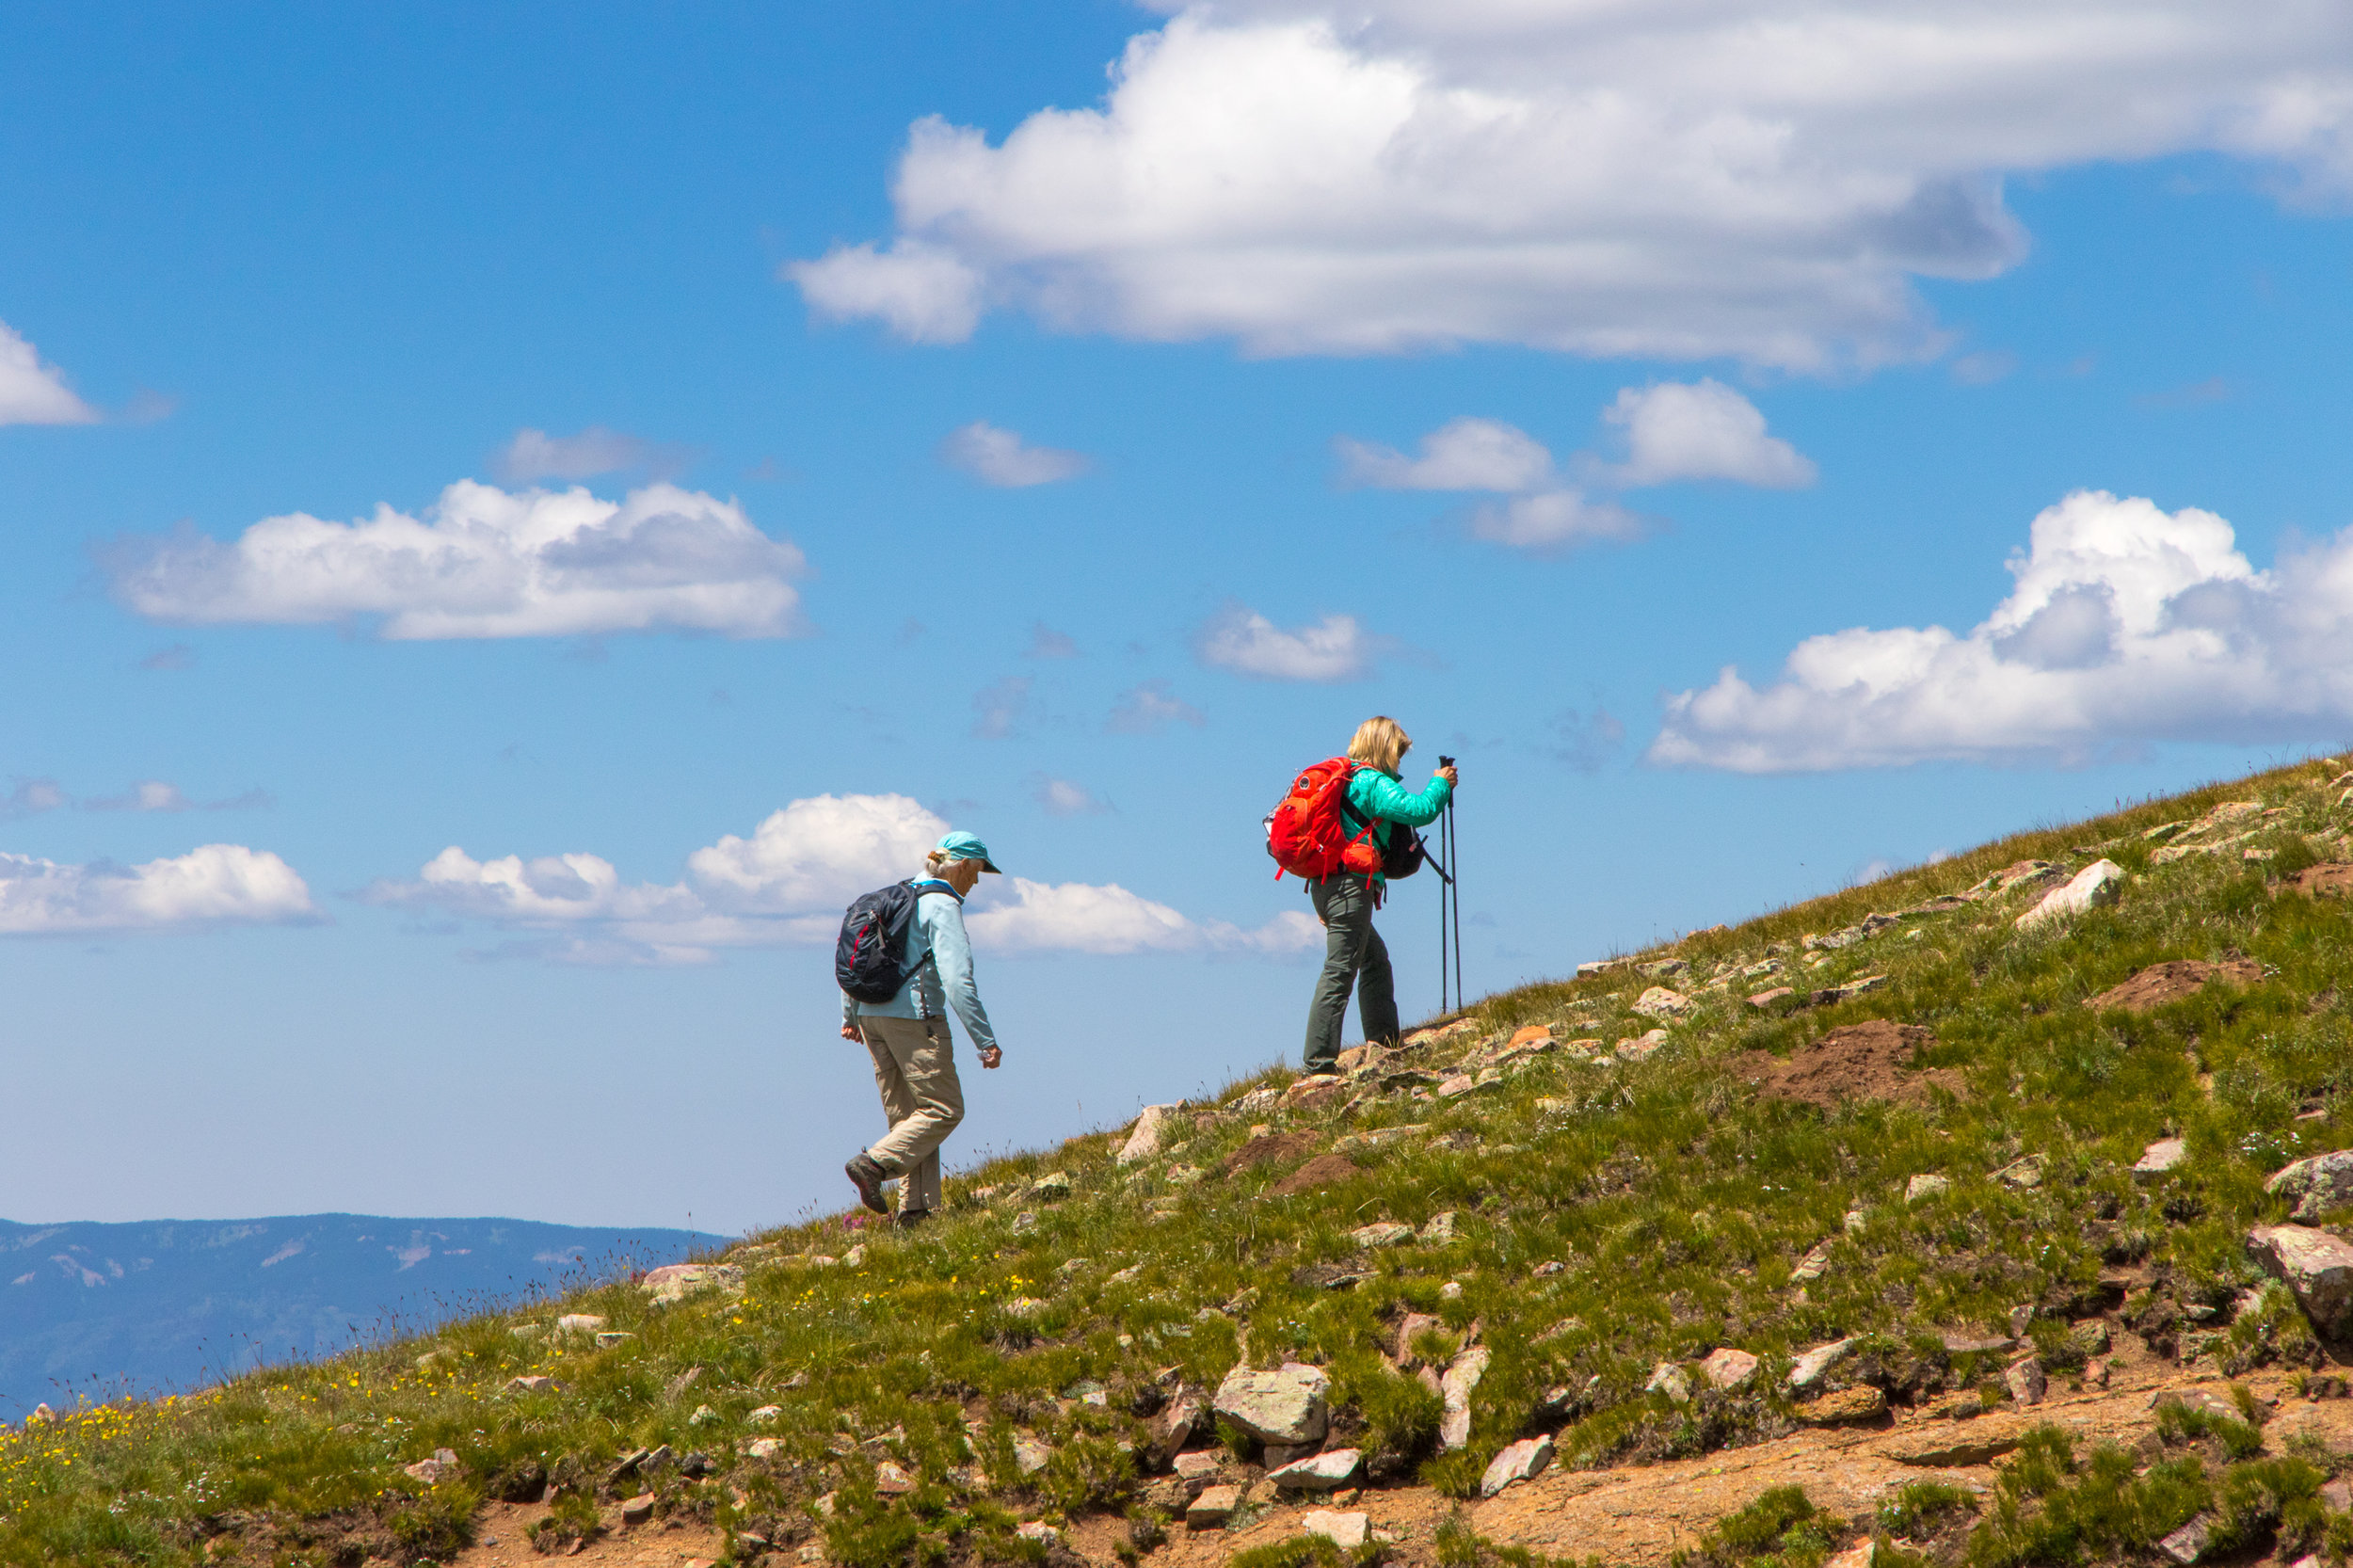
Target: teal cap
column 966, row 846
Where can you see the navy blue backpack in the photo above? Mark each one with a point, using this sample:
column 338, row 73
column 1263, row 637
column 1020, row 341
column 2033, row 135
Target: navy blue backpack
column 866, row 956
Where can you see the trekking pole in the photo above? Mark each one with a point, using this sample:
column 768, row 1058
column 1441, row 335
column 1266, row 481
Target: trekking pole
column 1450, row 892
column 1453, row 891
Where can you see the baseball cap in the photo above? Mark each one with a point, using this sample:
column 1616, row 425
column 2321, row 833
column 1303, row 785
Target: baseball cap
column 966, row 846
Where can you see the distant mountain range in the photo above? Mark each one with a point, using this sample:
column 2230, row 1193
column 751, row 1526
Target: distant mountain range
column 164, row 1304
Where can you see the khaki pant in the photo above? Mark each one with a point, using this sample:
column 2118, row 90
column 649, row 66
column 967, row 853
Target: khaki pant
column 915, row 1067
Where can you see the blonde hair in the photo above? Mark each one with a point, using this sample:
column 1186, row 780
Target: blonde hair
column 1380, row 741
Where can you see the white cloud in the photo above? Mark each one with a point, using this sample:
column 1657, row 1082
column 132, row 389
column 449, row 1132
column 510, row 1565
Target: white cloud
column 535, row 455
column 213, row 884
column 1703, row 430
column 1059, row 797
column 31, row 796
column 1711, row 178
column 1462, row 455
column 1238, row 638
column 998, row 708
column 152, row 795
column 1149, row 708
column 32, row 393
column 1554, row 521
column 787, row 885
column 2126, row 624
column 999, row 457
column 481, row 562
column 1075, row 918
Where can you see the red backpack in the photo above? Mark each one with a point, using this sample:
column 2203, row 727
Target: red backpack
column 1306, row 834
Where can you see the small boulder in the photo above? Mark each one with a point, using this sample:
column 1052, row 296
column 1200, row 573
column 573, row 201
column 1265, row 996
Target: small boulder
column 1643, row 1049
column 2161, row 1157
column 675, row 1282
column 1029, row 1454
column 609, row 1337
column 637, row 1510
column 1284, row 1406
column 1922, row 1187
column 579, row 1322
column 1522, row 1461
column 1438, row 1230
column 432, row 1471
column 1201, row 1467
column 1215, row 1504
column 1039, row 1531
column 1671, row 1379
column 1661, row 1002
column 1455, row 1389
column 1815, row 1364
column 1813, row 1265
column 1344, row 1531
column 1172, row 1428
column 1325, row 1472
column 1727, row 1368
column 1050, row 1187
column 1768, row 997
column 1385, row 1234
column 1530, row 1035
column 2100, row 882
column 2316, row 1266
column 532, row 1384
column 2188, row 1544
column 764, row 1447
column 1152, row 1124
column 2026, row 1381
column 2319, row 1184
column 2024, row 1175
column 1861, row 1402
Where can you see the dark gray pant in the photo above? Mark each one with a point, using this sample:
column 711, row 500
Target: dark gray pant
column 1351, row 948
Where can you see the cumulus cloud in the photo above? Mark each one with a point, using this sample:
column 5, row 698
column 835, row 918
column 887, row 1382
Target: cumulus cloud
column 1059, row 797
column 535, row 455
column 1238, row 638
column 30, row 795
column 1150, row 706
column 2125, row 624
column 213, row 884
column 32, row 393
column 1681, row 182
column 999, row 458
column 481, row 562
column 1702, row 430
column 787, row 884
column 1462, row 455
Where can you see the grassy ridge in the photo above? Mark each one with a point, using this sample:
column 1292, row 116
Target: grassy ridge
column 1675, row 1200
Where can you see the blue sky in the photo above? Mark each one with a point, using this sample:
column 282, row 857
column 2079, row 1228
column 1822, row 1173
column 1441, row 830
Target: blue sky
column 1072, row 476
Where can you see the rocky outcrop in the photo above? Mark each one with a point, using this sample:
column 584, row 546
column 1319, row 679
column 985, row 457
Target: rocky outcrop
column 2314, row 1265
column 1282, row 1407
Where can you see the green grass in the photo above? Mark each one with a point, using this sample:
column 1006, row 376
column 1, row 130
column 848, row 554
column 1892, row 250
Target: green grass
column 1675, row 1200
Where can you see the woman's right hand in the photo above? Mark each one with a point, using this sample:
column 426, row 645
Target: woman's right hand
column 1452, row 777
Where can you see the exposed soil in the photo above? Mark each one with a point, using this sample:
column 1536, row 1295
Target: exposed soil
column 500, row 1541
column 2333, row 879
column 2177, row 978
column 1267, row 1149
column 1859, row 1061
column 1324, row 1170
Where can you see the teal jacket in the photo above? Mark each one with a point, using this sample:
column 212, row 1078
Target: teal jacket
column 1377, row 797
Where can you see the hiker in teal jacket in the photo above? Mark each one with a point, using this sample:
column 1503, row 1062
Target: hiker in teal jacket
column 1354, row 957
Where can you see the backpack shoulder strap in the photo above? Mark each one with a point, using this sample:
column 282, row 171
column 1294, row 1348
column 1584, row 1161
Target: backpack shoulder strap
column 933, row 885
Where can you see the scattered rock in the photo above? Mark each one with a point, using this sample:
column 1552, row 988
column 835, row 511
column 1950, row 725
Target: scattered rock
column 1661, row 1002
column 1727, row 1368
column 2100, row 882
column 1831, row 996
column 2316, row 1266
column 1284, row 1406
column 1861, row 1402
column 1325, row 1472
column 675, row 1282
column 1026, row 1221
column 2188, row 1544
column 1863, row 1554
column 579, row 1322
column 1767, row 997
column 764, row 1447
column 1202, row 1467
column 1813, row 1265
column 2091, row 1337
column 1461, row 1083
column 2024, row 1174
column 532, row 1384
column 2022, row 874
column 637, row 1510
column 1815, row 1364
column 1344, row 1530
column 1455, row 1389
column 431, row 1471
column 1215, row 1504
column 2161, row 1157
column 1029, row 1454
column 1671, row 1379
column 609, row 1338
column 1439, row 1231
column 1173, row 1428
column 1530, row 1035
column 1314, row 1092
column 1037, row 1530
column 1152, row 1124
column 1924, row 1187
column 2319, row 1184
column 1643, row 1049
column 1454, row 1031
column 1522, row 1461
column 891, row 1480
column 2026, row 1381
column 2172, row 981
column 1050, row 1187
column 1385, row 1234
column 1663, row 969
column 1966, row 1344
column 1413, row 1326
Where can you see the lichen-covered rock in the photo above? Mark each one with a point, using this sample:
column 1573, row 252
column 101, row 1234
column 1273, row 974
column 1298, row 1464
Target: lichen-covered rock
column 1522, row 1461
column 1814, row 1364
column 1284, row 1406
column 1728, row 1368
column 675, row 1282
column 2100, row 882
column 2319, row 1184
column 1152, row 1124
column 2316, row 1266
column 1325, row 1472
column 1455, row 1390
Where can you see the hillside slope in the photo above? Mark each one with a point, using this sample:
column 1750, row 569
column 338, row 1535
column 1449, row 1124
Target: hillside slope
column 1575, row 1215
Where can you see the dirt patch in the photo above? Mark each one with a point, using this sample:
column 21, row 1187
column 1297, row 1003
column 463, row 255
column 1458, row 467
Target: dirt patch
column 1858, row 1062
column 1324, row 1170
column 2333, row 879
column 2175, row 979
column 501, row 1541
column 1270, row 1148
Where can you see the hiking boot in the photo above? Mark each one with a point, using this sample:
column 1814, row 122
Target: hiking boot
column 907, row 1219
column 868, row 1178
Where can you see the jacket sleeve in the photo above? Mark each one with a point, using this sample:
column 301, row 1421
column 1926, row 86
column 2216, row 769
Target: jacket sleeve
column 951, row 954
column 1386, row 798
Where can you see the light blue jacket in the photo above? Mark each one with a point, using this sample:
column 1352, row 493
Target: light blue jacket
column 941, row 956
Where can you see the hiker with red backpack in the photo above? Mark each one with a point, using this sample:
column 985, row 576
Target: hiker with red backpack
column 903, row 960
column 1346, row 828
